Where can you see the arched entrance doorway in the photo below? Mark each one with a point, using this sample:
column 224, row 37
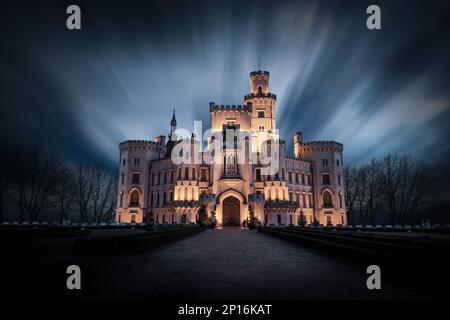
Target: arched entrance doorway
column 231, row 212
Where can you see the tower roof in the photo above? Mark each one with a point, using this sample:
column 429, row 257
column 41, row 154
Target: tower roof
column 173, row 122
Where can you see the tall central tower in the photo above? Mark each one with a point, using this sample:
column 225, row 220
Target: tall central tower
column 263, row 112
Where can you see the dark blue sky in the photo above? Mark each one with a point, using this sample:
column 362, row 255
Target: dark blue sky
column 82, row 92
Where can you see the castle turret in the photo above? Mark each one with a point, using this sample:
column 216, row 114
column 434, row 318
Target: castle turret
column 263, row 107
column 298, row 140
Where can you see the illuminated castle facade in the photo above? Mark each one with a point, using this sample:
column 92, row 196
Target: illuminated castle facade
column 305, row 189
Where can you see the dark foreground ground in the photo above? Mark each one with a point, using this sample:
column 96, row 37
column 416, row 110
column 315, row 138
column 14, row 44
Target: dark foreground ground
column 220, row 264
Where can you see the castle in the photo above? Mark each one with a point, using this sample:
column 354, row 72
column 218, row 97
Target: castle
column 307, row 188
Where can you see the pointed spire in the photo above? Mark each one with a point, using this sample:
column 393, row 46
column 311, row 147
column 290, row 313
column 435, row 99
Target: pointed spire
column 173, row 122
column 173, row 126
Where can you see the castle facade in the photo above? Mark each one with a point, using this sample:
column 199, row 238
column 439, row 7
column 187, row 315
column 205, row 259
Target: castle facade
column 306, row 188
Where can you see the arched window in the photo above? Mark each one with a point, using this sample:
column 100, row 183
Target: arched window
column 231, row 165
column 186, row 173
column 134, row 199
column 193, row 173
column 327, row 200
column 260, row 90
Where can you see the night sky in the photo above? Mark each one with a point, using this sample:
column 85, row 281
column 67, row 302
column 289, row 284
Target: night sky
column 82, row 92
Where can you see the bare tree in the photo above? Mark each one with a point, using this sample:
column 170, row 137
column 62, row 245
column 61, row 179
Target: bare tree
column 398, row 186
column 372, row 194
column 63, row 195
column 83, row 190
column 350, row 178
column 36, row 176
column 103, row 196
column 361, row 193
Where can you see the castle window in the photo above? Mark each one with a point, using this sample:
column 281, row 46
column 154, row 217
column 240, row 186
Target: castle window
column 304, row 200
column 279, row 218
column 159, row 178
column 260, row 114
column 310, row 200
column 290, row 176
column 340, row 200
column 231, row 168
column 165, row 177
column 186, row 173
column 164, row 198
column 137, row 161
column 258, row 174
column 203, row 174
column 309, row 179
column 124, row 161
column 327, row 200
column 261, row 128
column 296, row 178
column 153, row 179
column 134, row 199
column 135, row 178
column 303, row 179
column 326, row 179
column 121, row 199
column 171, row 196
column 193, row 173
column 282, row 174
column 325, row 162
column 337, row 162
column 157, row 199
column 339, row 179
column 123, row 179
column 151, row 200
column 171, row 176
column 260, row 90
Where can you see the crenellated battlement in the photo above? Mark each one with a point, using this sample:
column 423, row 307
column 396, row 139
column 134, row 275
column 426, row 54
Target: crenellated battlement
column 259, row 72
column 260, row 95
column 214, row 107
column 324, row 144
column 139, row 145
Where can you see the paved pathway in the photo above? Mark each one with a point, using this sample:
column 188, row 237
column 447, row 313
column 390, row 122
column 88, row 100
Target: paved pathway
column 230, row 264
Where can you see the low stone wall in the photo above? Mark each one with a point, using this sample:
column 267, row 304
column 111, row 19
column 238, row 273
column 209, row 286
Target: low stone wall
column 133, row 243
